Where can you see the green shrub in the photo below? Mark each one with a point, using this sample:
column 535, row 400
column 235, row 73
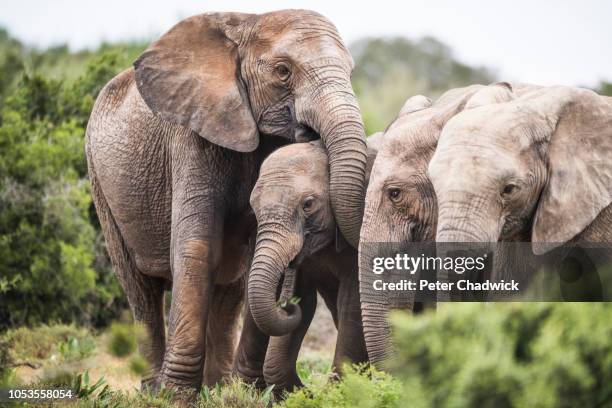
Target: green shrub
column 40, row 343
column 6, row 362
column 123, row 339
column 425, row 66
column 361, row 387
column 138, row 365
column 310, row 366
column 53, row 268
column 76, row 349
column 506, row 355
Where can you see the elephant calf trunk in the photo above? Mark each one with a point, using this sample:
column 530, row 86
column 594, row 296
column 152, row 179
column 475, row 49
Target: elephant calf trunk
column 274, row 318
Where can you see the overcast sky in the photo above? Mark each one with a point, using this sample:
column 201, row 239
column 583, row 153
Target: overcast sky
column 548, row 42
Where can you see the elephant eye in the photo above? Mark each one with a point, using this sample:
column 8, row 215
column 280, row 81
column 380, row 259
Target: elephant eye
column 394, row 194
column 283, row 71
column 509, row 189
column 308, row 204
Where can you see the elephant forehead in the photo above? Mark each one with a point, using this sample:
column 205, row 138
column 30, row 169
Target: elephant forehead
column 395, row 170
column 411, row 140
column 297, row 157
column 507, row 124
column 278, row 23
column 300, row 34
column 291, row 180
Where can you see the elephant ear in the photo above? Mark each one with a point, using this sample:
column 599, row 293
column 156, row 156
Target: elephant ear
column 191, row 77
column 494, row 93
column 414, row 104
column 579, row 183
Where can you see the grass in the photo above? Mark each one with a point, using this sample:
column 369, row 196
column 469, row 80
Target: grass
column 362, row 387
column 310, row 368
column 48, row 342
column 73, row 358
column 497, row 355
column 47, row 346
column 69, row 356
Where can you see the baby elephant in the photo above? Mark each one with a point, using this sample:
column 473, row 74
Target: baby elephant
column 299, row 245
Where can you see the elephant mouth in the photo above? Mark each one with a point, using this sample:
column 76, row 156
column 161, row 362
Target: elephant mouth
column 286, row 299
column 296, row 262
column 304, row 133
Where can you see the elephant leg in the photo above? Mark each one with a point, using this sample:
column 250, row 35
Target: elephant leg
column 251, row 353
column 194, row 264
column 222, row 331
column 196, row 242
column 350, row 344
column 145, row 294
column 146, row 299
column 282, row 353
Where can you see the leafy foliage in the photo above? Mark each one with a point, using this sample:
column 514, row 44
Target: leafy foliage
column 361, row 387
column 76, row 349
column 42, row 342
column 605, row 88
column 390, row 70
column 6, row 362
column 82, row 387
column 506, row 355
column 53, row 266
column 123, row 339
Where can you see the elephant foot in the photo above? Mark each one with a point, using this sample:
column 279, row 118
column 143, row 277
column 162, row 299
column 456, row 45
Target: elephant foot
column 180, row 395
column 150, row 385
column 184, row 397
column 282, row 386
column 250, row 378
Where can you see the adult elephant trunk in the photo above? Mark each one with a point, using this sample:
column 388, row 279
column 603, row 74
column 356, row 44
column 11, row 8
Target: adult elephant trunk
column 377, row 241
column 275, row 248
column 463, row 227
column 332, row 111
column 374, row 308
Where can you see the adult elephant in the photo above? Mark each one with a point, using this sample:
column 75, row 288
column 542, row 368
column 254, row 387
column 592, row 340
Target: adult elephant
column 535, row 169
column 174, row 147
column 401, row 205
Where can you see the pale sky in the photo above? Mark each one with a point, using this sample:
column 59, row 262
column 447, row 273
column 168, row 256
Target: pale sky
column 546, row 42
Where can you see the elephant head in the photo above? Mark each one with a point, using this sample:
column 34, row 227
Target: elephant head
column 401, row 205
column 292, row 204
column 537, row 169
column 233, row 78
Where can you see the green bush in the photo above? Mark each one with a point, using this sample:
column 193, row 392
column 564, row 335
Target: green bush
column 6, row 362
column 40, row 343
column 605, row 88
column 123, row 339
column 313, row 365
column 139, row 365
column 506, row 355
column 77, row 349
column 52, row 265
column 361, row 387
column 390, row 70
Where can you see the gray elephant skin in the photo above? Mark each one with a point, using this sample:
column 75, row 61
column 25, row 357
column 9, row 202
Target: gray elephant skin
column 174, row 146
column 401, row 205
column 300, row 249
